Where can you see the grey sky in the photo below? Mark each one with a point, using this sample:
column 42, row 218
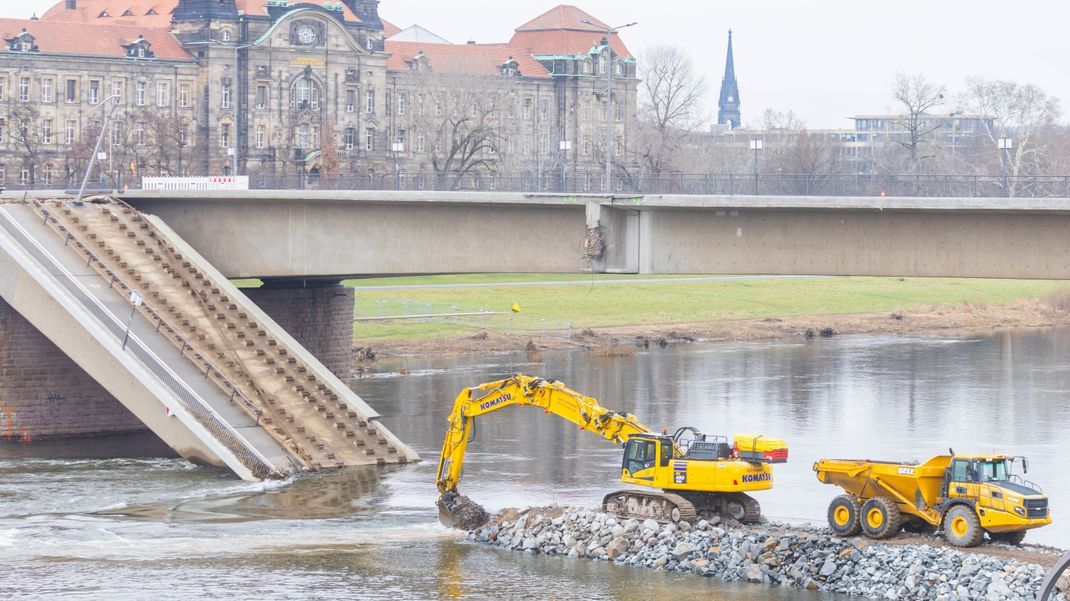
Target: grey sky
column 824, row 59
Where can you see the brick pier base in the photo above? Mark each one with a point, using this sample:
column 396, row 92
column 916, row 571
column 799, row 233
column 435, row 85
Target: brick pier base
column 320, row 318
column 43, row 393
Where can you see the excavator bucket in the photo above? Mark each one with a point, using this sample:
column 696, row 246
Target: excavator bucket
column 458, row 511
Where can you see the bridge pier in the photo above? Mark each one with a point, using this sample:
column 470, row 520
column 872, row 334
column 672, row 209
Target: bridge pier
column 318, row 314
column 44, row 393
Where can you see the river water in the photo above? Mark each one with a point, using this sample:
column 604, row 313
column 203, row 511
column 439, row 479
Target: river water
column 115, row 518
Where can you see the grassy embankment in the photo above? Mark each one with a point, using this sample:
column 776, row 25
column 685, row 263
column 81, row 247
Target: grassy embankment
column 582, row 306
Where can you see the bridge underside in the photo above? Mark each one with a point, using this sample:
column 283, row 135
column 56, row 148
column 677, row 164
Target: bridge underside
column 333, row 235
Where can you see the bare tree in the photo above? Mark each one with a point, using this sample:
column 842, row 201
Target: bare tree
column 330, row 165
column 917, row 97
column 1023, row 112
column 464, row 125
column 814, row 160
column 781, row 120
column 27, row 137
column 670, row 93
column 170, row 151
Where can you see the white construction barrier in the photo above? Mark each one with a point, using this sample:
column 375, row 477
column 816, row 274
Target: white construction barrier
column 235, row 182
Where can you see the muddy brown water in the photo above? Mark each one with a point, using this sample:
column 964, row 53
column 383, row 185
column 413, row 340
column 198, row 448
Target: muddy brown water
column 116, row 518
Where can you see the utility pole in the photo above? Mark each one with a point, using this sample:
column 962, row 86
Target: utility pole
column 609, row 33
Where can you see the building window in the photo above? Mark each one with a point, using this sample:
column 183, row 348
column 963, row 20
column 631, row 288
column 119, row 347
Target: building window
column 224, row 96
column 400, row 136
column 183, row 135
column 116, row 133
column 24, row 176
column 438, row 105
column 544, row 108
column 619, row 68
column 72, row 91
column 351, row 100
column 3, row 175
column 350, row 138
column 68, row 131
column 526, row 114
column 370, row 44
column 226, row 35
column 585, row 67
column 24, row 89
column 618, row 149
column 3, row 125
column 3, row 87
column 184, row 95
column 402, row 101
column 420, row 143
column 602, row 65
column 117, row 89
column 369, row 139
column 46, row 131
column 94, row 91
column 586, row 146
column 369, row 102
column 618, row 110
column 261, row 136
column 224, row 135
column 48, row 173
column 163, row 93
column 46, row 90
column 261, row 97
column 139, row 93
column 139, row 133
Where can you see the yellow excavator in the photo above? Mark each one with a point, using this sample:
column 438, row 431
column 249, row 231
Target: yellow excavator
column 694, row 471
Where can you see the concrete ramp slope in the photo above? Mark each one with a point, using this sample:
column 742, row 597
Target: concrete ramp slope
column 273, row 406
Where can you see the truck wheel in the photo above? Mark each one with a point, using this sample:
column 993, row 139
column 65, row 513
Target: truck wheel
column 881, row 518
column 844, row 516
column 1011, row 538
column 962, row 528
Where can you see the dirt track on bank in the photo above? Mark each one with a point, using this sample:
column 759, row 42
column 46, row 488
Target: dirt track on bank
column 970, row 319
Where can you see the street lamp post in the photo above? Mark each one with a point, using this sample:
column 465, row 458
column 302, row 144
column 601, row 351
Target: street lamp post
column 398, row 148
column 1005, row 145
column 114, row 99
column 756, row 146
column 609, row 97
column 566, row 145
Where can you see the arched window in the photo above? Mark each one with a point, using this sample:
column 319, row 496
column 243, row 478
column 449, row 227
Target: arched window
column 305, row 94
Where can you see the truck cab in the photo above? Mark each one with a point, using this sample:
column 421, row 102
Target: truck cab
column 1006, row 504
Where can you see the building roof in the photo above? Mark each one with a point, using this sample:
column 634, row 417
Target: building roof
column 418, row 34
column 154, row 13
column 462, row 59
column 389, row 29
column 59, row 37
column 561, row 30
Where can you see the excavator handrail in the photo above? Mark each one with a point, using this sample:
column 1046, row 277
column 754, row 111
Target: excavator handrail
column 550, row 395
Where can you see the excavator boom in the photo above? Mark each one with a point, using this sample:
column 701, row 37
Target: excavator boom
column 550, row 395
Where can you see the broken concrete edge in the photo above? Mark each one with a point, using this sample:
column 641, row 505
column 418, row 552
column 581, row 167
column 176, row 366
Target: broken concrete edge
column 220, row 456
column 319, row 370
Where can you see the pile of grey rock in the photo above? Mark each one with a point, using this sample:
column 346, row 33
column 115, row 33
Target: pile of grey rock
column 773, row 554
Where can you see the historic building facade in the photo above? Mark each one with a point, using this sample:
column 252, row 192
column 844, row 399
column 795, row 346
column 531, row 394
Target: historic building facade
column 298, row 92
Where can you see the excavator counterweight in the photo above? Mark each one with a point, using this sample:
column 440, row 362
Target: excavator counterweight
column 690, row 472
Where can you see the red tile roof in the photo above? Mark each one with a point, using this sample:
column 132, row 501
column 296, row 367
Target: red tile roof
column 561, row 30
column 389, row 28
column 58, row 37
column 475, row 59
column 90, row 11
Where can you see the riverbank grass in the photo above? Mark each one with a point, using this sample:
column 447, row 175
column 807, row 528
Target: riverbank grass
column 590, row 305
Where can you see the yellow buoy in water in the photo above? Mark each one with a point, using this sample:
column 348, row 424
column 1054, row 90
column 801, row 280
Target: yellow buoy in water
column 516, row 307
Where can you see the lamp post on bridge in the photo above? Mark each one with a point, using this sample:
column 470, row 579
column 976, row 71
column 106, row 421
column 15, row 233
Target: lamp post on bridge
column 609, row 33
column 114, row 99
column 756, row 146
column 397, row 148
column 566, row 145
column 1005, row 145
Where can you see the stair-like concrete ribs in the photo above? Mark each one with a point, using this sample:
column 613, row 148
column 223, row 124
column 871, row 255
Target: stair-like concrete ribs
column 304, row 408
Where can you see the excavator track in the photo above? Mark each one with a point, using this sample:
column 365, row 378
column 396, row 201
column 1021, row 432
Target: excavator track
column 738, row 506
column 661, row 507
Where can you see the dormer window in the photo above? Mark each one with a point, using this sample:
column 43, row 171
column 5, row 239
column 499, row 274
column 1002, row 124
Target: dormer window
column 152, row 11
column 510, row 68
column 23, row 42
column 226, row 35
column 418, row 64
column 139, row 48
column 103, row 15
column 128, row 13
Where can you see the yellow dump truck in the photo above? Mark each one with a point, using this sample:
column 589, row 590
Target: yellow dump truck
column 965, row 495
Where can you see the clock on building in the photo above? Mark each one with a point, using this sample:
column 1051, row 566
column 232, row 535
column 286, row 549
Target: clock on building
column 306, row 34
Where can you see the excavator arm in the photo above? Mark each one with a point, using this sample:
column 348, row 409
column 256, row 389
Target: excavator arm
column 550, row 395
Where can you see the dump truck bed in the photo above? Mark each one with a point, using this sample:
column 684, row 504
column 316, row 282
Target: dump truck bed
column 914, row 486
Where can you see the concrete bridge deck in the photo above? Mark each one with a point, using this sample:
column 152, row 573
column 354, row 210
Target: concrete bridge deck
column 316, row 234
column 201, row 365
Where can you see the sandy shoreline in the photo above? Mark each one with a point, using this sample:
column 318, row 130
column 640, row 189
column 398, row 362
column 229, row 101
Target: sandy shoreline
column 959, row 321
